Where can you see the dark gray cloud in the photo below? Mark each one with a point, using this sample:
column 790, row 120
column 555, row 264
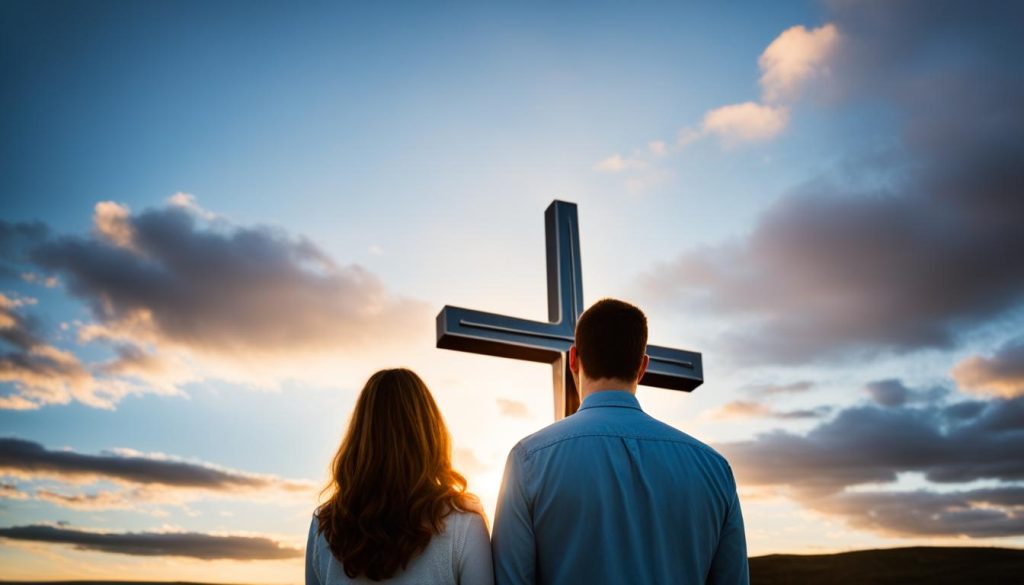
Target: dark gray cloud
column 29, row 458
column 888, row 392
column 183, row 277
column 1001, row 374
column 906, row 249
column 868, row 444
column 19, row 331
column 873, row 444
column 893, row 392
column 978, row 513
column 172, row 544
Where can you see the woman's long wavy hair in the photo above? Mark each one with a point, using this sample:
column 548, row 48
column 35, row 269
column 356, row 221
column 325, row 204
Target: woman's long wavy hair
column 392, row 482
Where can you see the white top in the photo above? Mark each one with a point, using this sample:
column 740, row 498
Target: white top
column 459, row 555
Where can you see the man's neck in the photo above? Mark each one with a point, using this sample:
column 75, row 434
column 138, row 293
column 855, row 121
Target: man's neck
column 588, row 387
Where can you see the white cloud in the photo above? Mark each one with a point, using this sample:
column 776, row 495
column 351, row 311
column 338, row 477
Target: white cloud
column 746, row 122
column 112, row 221
column 791, row 60
column 657, row 147
column 617, row 163
column 794, row 57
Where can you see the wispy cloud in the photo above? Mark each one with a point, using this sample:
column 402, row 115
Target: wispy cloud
column 195, row 545
column 743, row 409
column 41, row 373
column 513, row 408
column 788, row 388
column 789, row 63
column 745, row 122
column 151, row 478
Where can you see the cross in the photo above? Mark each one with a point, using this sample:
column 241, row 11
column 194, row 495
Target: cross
column 549, row 342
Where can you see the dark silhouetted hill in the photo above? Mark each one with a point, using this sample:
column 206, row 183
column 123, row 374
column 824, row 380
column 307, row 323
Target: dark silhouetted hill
column 932, row 565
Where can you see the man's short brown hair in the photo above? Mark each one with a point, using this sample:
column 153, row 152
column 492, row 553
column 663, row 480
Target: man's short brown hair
column 611, row 339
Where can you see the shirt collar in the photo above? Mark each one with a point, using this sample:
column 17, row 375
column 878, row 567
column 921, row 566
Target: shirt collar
column 619, row 398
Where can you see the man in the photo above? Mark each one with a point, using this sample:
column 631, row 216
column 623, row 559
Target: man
column 609, row 494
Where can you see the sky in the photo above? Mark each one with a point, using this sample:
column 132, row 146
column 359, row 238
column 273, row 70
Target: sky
column 218, row 219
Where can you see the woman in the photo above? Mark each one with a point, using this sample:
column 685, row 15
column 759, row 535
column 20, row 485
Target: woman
column 398, row 512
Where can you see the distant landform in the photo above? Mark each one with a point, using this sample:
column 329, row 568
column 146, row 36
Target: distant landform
column 905, row 566
column 932, row 565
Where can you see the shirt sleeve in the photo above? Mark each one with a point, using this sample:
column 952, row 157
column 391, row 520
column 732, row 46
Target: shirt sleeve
column 513, row 542
column 475, row 567
column 311, row 578
column 730, row 566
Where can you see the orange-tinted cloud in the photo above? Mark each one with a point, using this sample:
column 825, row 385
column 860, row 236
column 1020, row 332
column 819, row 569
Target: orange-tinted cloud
column 1001, row 374
column 180, row 294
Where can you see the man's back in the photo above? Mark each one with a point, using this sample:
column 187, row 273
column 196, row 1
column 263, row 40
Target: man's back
column 611, row 495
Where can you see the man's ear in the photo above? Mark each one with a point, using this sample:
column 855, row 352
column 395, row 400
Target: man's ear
column 643, row 367
column 574, row 361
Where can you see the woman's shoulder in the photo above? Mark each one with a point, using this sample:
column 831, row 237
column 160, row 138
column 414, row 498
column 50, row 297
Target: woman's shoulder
column 469, row 518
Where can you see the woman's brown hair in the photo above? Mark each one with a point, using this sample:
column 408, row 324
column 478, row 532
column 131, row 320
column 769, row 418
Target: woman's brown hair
column 392, row 482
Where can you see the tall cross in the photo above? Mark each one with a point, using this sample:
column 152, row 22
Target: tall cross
column 549, row 342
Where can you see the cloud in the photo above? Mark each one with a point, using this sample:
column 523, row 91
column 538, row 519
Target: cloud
column 465, row 461
column 513, row 408
column 888, row 392
column 657, row 147
column 837, row 466
column 40, row 373
column 871, row 444
column 617, row 163
column 1001, row 374
column 746, row 122
column 179, row 294
column 10, row 491
column 28, row 459
column 112, row 223
column 172, row 544
column 221, row 288
column 795, row 57
column 101, row 500
column 741, row 409
column 899, row 251
column 977, row 513
column 790, row 388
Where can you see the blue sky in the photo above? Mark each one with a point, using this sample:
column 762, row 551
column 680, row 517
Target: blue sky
column 815, row 195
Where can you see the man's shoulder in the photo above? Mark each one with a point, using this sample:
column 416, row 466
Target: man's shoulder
column 546, row 436
column 642, row 427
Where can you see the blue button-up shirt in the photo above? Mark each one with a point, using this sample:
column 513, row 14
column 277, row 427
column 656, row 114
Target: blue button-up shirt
column 612, row 495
